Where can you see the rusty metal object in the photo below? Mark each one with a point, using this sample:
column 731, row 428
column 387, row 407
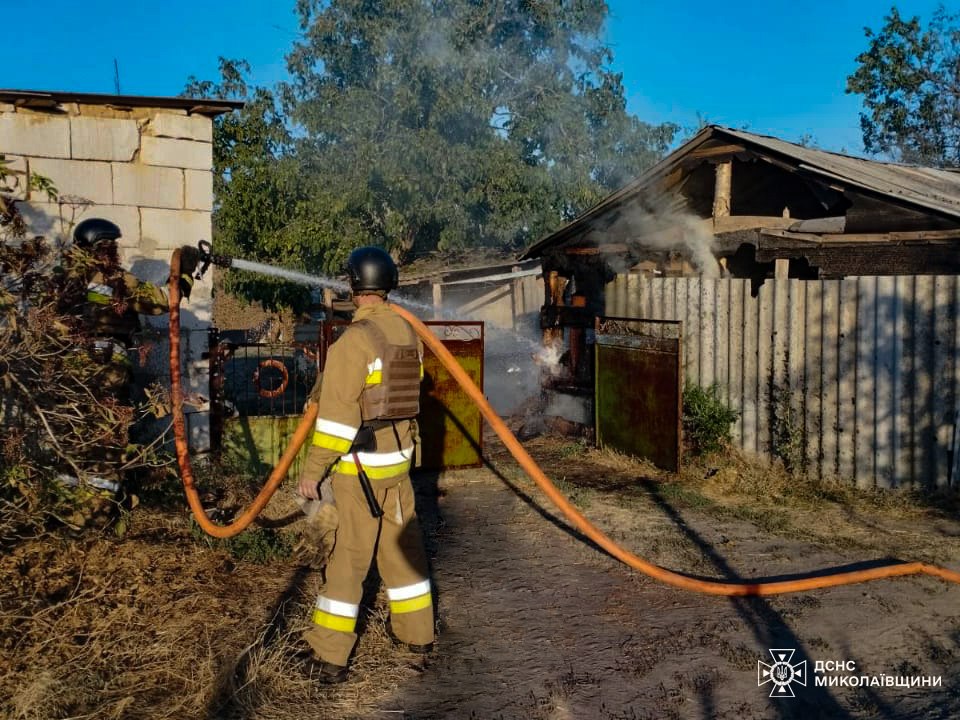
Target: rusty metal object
column 450, row 423
column 639, row 380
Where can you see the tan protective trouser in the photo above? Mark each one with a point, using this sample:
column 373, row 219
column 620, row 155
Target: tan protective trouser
column 397, row 540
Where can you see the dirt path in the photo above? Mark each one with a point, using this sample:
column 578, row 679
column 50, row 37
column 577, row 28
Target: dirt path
column 538, row 624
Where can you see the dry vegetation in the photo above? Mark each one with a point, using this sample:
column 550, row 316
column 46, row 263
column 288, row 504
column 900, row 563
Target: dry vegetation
column 160, row 622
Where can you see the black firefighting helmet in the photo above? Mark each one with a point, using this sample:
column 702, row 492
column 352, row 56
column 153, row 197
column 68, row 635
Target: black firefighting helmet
column 93, row 230
column 372, row 270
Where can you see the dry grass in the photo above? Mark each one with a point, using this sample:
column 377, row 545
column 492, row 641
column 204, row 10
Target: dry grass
column 732, row 487
column 156, row 625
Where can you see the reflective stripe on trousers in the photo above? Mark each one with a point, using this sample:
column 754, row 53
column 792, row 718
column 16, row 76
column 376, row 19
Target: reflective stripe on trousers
column 335, row 615
column 410, row 598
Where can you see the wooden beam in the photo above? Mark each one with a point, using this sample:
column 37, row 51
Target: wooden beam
column 915, row 236
column 735, row 223
column 716, row 151
column 437, row 301
column 606, row 248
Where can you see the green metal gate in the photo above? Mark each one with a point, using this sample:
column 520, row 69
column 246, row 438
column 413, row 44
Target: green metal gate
column 450, row 423
column 253, row 416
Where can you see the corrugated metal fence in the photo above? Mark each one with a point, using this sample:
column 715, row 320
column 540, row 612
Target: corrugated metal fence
column 855, row 378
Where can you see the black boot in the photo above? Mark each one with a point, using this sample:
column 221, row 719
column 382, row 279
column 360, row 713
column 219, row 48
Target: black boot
column 327, row 673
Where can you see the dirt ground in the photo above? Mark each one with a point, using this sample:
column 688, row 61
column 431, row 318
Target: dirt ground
column 534, row 622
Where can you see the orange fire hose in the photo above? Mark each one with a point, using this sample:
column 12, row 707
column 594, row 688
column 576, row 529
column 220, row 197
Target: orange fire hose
column 300, row 435
column 684, row 582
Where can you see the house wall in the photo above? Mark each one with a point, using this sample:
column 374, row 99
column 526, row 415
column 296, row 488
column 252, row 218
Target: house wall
column 855, row 378
column 146, row 169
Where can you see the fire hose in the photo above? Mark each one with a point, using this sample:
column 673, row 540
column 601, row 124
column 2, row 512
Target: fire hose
column 822, row 579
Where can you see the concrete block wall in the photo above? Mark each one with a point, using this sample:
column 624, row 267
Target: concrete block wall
column 149, row 170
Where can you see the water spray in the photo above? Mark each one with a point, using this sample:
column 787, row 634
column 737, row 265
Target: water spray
column 807, row 581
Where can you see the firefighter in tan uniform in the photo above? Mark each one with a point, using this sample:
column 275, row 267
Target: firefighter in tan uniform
column 365, row 434
column 107, row 301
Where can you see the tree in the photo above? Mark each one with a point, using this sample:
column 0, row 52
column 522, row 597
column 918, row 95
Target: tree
column 259, row 187
column 910, row 81
column 422, row 126
column 456, row 123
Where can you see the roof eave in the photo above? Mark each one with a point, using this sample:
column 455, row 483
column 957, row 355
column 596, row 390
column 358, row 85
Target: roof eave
column 52, row 98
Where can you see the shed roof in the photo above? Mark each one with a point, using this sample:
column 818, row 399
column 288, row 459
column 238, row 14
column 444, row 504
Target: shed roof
column 51, row 98
column 930, row 189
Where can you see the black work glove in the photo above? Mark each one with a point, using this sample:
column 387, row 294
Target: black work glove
column 189, row 259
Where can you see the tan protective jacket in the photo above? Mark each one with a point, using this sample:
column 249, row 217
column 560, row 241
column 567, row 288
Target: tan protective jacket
column 352, row 367
column 113, row 311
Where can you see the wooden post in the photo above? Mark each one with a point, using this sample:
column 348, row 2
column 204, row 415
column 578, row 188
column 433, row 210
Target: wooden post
column 554, row 296
column 437, row 300
column 722, row 189
column 517, row 297
column 781, row 269
column 577, row 339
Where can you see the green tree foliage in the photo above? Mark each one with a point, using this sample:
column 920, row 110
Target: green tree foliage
column 909, row 77
column 423, row 126
column 262, row 198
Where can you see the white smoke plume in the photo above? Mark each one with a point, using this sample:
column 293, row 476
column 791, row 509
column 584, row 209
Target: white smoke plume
column 667, row 229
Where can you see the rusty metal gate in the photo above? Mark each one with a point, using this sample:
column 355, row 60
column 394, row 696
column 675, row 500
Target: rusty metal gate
column 258, row 391
column 638, row 395
column 450, row 423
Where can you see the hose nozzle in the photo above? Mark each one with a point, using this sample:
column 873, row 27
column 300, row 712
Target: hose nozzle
column 207, row 258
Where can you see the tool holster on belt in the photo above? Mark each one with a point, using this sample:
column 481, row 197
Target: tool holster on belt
column 366, row 441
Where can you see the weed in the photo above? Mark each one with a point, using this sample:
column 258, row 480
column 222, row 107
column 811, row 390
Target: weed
column 788, row 438
column 707, row 418
column 573, row 449
column 767, row 519
column 259, row 545
column 680, row 495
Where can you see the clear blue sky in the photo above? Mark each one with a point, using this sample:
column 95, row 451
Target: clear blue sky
column 777, row 67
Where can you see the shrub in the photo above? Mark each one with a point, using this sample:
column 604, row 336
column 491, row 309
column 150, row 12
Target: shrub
column 706, row 418
column 62, row 438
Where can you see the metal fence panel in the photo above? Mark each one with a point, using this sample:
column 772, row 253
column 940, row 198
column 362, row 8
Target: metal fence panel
column 864, row 369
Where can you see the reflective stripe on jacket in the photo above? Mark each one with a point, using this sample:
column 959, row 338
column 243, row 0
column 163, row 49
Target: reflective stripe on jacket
column 351, row 361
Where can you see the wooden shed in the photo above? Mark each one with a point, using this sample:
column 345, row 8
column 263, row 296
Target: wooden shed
column 812, row 286
column 730, row 203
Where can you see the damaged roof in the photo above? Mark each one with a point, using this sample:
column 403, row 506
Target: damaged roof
column 928, row 189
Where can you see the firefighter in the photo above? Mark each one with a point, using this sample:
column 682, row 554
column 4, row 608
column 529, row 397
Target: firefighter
column 107, row 301
column 364, row 440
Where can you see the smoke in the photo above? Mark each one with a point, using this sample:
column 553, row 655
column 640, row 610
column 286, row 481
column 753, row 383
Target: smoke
column 548, row 357
column 667, row 229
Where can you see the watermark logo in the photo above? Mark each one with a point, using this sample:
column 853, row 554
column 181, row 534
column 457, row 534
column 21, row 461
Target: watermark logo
column 782, row 673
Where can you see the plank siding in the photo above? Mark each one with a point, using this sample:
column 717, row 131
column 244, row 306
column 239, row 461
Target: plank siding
column 867, row 365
